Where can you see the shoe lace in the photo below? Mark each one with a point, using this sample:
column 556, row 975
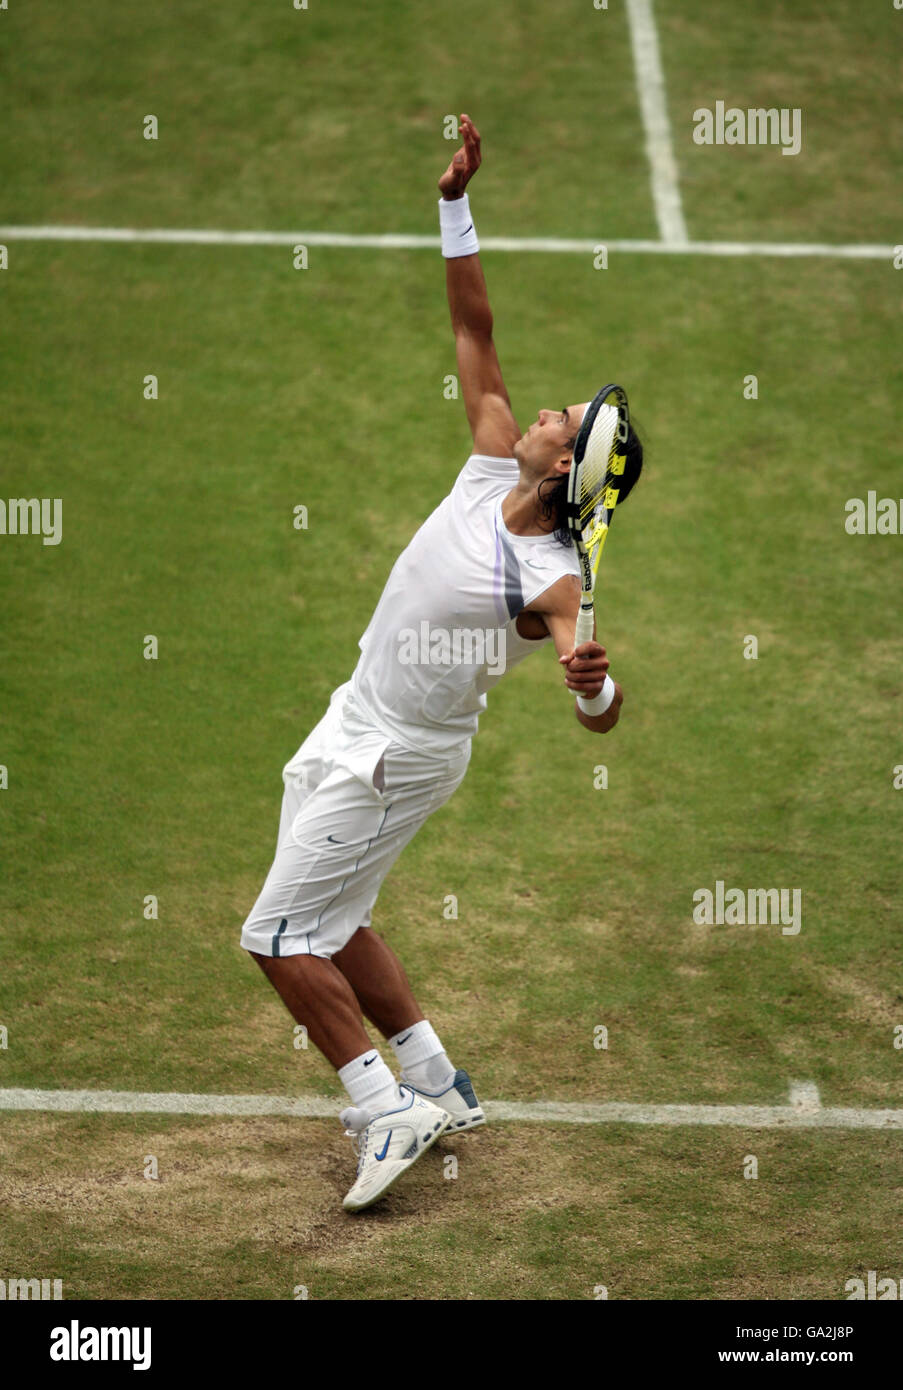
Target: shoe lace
column 358, row 1144
column 358, row 1139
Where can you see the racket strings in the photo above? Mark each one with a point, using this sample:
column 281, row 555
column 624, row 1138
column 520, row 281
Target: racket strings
column 593, row 472
column 600, row 469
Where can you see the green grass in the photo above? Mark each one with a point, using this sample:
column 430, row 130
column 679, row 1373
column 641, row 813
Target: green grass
column 280, row 388
column 329, row 119
column 133, row 777
column 839, row 65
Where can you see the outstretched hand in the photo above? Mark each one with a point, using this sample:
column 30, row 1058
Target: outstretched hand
column 465, row 162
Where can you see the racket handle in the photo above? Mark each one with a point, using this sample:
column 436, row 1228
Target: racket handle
column 584, row 631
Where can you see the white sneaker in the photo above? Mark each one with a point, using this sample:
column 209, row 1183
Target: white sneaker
column 459, row 1100
column 388, row 1143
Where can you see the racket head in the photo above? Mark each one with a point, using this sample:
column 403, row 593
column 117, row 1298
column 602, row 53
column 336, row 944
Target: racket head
column 596, row 470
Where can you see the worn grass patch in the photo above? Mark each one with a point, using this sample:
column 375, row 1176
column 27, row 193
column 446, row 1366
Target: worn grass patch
column 252, row 1209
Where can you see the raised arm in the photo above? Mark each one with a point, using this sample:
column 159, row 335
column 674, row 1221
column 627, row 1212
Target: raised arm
column 492, row 423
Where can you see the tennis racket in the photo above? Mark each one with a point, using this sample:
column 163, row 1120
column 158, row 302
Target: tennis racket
column 593, row 486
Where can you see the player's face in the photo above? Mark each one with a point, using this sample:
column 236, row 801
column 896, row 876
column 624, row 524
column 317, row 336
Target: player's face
column 550, row 439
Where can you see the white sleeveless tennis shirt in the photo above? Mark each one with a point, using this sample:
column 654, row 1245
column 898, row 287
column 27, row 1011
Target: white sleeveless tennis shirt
column 444, row 630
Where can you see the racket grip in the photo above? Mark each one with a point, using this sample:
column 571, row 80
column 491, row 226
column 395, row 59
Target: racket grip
column 584, row 632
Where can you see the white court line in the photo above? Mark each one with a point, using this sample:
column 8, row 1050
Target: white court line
column 808, row 1115
column 199, row 236
column 650, row 84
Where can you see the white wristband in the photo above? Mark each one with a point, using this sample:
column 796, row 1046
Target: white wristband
column 599, row 704
column 456, row 225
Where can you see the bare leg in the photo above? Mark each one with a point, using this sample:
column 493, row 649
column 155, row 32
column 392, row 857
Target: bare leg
column 319, row 996
column 375, row 973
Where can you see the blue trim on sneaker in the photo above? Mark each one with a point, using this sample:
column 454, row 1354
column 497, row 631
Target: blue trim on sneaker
column 463, row 1085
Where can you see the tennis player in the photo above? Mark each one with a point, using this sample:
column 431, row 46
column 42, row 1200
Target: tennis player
column 490, row 577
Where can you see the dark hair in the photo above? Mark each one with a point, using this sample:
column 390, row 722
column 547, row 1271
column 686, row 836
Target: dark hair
column 553, row 504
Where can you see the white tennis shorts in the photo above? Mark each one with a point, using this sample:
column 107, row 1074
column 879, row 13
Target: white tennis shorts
column 353, row 799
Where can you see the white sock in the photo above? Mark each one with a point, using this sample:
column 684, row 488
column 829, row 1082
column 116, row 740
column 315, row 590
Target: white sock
column 422, row 1057
column 370, row 1084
